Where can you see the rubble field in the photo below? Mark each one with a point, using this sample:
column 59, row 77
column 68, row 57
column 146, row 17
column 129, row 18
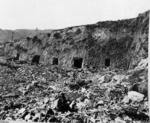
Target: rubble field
column 40, row 93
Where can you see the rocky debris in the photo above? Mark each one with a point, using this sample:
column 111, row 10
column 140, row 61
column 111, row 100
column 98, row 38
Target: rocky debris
column 135, row 96
column 141, row 88
column 51, row 94
column 142, row 64
column 126, row 99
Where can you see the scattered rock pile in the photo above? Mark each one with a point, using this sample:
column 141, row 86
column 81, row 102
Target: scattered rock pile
column 52, row 94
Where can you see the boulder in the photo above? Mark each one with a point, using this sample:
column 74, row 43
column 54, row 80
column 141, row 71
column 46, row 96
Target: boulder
column 135, row 96
column 92, row 119
column 119, row 120
column 28, row 87
column 143, row 89
column 99, row 103
column 46, row 100
column 34, row 83
column 52, row 87
column 27, row 117
column 87, row 101
column 36, row 117
column 80, row 105
column 126, row 99
column 105, row 78
column 54, row 104
column 22, row 110
column 49, row 113
column 61, row 104
column 140, row 87
column 101, row 79
column 73, row 106
column 83, row 90
column 118, row 78
column 83, row 82
column 142, row 64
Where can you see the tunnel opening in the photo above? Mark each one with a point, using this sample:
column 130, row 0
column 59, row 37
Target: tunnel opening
column 55, row 61
column 17, row 56
column 36, row 59
column 107, row 62
column 77, row 62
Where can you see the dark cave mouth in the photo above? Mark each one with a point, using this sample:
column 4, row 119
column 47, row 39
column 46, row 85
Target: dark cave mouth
column 107, row 62
column 77, row 62
column 55, row 61
column 36, row 59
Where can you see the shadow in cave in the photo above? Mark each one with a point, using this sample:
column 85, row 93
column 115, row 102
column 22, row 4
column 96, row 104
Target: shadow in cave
column 36, row 59
column 107, row 62
column 55, row 61
column 77, row 62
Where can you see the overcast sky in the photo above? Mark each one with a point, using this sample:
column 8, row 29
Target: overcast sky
column 56, row 14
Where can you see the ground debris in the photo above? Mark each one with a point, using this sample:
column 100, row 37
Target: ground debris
column 52, row 94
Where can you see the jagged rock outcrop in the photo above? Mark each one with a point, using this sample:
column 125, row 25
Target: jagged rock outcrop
column 115, row 44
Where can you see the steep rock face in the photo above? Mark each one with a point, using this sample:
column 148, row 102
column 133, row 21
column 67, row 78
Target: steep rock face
column 117, row 44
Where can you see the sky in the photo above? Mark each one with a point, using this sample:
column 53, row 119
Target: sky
column 57, row 14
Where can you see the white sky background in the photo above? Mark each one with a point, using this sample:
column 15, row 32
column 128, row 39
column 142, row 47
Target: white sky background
column 56, row 14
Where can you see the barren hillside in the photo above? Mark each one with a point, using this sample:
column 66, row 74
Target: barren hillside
column 117, row 44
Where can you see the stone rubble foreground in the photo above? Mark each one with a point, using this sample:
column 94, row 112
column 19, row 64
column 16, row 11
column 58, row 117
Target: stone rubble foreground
column 54, row 94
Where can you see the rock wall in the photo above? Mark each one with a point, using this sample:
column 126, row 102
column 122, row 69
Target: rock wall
column 124, row 43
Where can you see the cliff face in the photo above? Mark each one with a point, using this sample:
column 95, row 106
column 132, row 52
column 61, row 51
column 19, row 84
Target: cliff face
column 117, row 44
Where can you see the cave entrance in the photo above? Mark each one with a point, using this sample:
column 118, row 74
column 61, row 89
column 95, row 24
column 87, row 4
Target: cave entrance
column 55, row 61
column 107, row 62
column 36, row 59
column 17, row 56
column 77, row 62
